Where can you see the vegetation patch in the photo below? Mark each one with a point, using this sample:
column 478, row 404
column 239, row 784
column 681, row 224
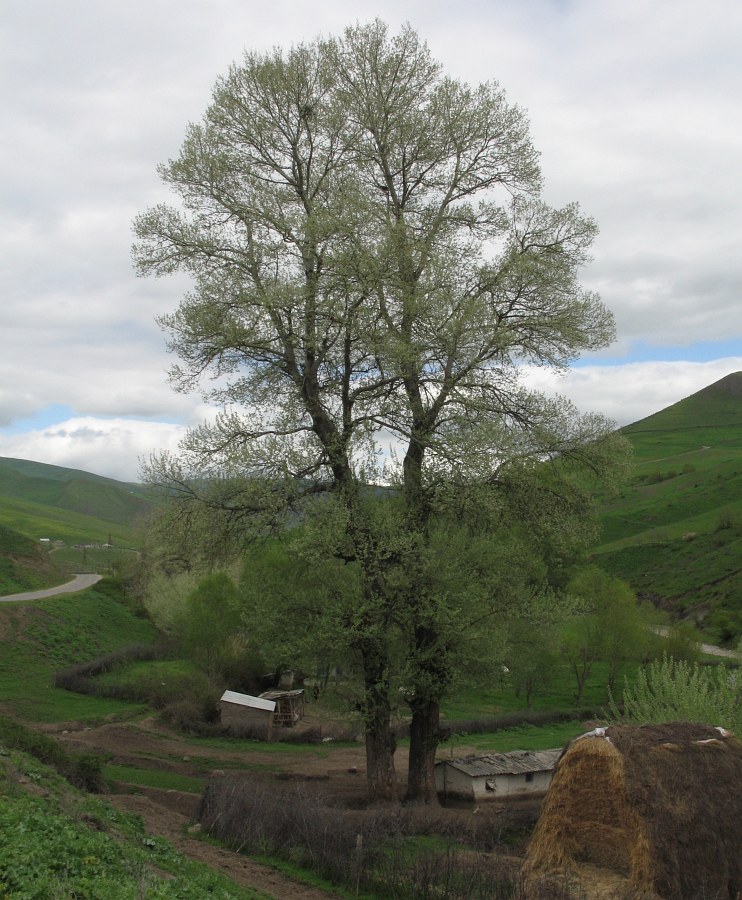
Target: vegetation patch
column 155, row 778
column 81, row 770
column 57, row 842
column 51, row 634
column 388, row 853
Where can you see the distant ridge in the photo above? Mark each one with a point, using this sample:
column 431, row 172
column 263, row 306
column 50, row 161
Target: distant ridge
column 38, row 500
column 718, row 405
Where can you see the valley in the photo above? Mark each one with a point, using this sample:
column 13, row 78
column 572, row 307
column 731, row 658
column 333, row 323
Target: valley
column 673, row 532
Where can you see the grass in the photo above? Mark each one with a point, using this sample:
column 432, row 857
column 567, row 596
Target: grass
column 38, row 520
column 73, row 491
column 59, row 842
column 524, row 737
column 169, row 674
column 497, row 699
column 24, row 565
column 52, row 634
column 104, row 560
column 675, row 531
column 154, row 778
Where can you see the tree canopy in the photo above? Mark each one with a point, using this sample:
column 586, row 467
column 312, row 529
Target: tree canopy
column 372, row 265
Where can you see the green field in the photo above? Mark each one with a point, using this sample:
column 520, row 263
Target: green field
column 39, row 500
column 37, row 521
column 59, row 842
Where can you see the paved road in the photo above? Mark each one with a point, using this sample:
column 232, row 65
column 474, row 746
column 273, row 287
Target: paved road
column 712, row 650
column 78, row 583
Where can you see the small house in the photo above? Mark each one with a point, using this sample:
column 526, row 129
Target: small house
column 289, row 707
column 496, row 776
column 243, row 711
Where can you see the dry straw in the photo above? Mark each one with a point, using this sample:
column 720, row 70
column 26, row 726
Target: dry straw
column 660, row 805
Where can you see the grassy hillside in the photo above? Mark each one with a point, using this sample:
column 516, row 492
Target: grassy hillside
column 37, row 639
column 56, row 841
column 675, row 532
column 23, row 564
column 66, row 504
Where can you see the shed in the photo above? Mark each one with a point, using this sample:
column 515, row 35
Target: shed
column 495, row 776
column 245, row 711
column 289, row 706
column 658, row 806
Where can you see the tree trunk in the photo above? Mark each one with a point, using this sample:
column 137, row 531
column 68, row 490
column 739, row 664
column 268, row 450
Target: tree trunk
column 424, row 737
column 380, row 745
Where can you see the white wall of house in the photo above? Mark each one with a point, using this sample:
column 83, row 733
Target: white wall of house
column 455, row 784
column 510, row 785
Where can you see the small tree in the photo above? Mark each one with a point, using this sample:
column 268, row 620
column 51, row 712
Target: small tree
column 533, row 642
column 608, row 626
column 210, row 623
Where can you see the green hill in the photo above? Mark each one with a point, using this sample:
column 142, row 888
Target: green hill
column 24, row 565
column 675, row 531
column 40, row 500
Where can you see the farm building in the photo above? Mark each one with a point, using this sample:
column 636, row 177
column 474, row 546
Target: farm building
column 658, row 806
column 289, row 706
column 495, row 776
column 244, row 711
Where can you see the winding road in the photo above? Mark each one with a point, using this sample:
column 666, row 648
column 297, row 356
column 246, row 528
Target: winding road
column 78, row 583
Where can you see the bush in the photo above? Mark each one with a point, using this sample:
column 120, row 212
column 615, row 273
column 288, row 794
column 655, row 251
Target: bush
column 79, row 678
column 81, row 770
column 373, row 850
column 670, row 690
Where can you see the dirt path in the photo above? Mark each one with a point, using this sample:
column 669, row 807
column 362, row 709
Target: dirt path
column 162, row 817
column 170, row 814
column 148, row 744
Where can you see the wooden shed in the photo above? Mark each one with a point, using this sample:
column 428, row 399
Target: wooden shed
column 495, row 776
column 243, row 711
column 289, row 707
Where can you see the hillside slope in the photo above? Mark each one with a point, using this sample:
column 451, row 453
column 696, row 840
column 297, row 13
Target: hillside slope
column 710, row 418
column 23, row 564
column 51, row 501
column 675, row 532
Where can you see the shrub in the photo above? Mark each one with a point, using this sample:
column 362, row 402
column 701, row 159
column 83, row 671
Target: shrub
column 670, row 690
column 81, row 770
column 372, row 850
column 79, row 678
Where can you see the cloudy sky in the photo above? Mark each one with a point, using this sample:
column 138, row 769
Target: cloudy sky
column 634, row 106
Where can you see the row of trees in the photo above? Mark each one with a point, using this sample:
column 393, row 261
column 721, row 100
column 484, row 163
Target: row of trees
column 280, row 613
column 372, row 265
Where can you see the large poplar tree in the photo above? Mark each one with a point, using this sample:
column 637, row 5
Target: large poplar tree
column 371, row 265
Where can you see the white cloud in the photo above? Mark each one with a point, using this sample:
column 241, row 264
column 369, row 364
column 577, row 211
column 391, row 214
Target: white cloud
column 633, row 105
column 627, row 393
column 114, row 448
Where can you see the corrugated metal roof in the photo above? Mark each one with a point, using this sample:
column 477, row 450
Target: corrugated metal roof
column 248, row 700
column 515, row 763
column 276, row 695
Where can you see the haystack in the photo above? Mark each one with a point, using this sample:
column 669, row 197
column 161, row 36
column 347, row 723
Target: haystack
column 658, row 804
